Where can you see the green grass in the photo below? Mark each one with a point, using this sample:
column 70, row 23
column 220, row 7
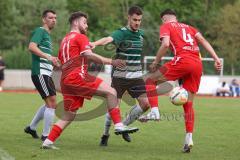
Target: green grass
column 216, row 134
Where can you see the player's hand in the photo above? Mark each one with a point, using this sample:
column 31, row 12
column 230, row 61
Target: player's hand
column 218, row 65
column 92, row 45
column 54, row 60
column 153, row 67
column 118, row 63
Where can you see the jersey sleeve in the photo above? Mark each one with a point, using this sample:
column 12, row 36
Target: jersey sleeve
column 117, row 36
column 194, row 31
column 83, row 43
column 141, row 32
column 37, row 36
column 164, row 31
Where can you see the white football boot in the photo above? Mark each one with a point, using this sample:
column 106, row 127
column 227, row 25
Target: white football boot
column 121, row 129
column 47, row 144
column 153, row 115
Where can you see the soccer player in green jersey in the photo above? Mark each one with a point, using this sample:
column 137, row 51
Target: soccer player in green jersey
column 129, row 45
column 40, row 47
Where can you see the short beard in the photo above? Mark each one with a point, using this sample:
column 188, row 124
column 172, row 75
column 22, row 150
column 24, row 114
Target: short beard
column 133, row 28
column 82, row 31
column 50, row 28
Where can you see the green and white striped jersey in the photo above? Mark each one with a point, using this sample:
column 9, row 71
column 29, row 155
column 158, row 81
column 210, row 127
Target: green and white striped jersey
column 129, row 46
column 41, row 65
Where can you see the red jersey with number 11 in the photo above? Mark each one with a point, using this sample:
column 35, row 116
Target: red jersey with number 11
column 70, row 53
column 182, row 38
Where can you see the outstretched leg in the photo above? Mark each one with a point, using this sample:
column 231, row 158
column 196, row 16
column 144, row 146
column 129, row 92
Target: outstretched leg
column 189, row 123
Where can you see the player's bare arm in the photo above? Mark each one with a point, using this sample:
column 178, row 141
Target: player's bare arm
column 101, row 42
column 210, row 50
column 99, row 59
column 35, row 50
column 161, row 52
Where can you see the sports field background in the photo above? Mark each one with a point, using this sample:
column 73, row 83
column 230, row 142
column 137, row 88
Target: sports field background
column 216, row 134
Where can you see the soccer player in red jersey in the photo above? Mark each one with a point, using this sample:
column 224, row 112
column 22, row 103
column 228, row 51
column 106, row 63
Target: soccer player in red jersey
column 183, row 41
column 77, row 84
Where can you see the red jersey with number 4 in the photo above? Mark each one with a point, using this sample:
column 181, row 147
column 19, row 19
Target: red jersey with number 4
column 70, row 53
column 182, row 38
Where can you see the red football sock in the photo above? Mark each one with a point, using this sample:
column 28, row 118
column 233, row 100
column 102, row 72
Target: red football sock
column 189, row 116
column 55, row 133
column 115, row 115
column 151, row 93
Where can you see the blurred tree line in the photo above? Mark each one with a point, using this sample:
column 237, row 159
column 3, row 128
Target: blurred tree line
column 216, row 19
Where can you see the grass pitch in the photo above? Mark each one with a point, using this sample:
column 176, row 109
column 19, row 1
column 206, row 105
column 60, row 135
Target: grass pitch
column 216, row 137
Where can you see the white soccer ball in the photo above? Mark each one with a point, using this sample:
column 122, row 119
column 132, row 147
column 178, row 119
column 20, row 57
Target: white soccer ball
column 178, row 96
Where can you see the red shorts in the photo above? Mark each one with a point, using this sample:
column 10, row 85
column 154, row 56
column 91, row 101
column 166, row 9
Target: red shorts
column 189, row 69
column 76, row 87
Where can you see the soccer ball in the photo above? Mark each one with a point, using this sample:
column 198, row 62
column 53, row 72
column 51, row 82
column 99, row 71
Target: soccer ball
column 178, row 96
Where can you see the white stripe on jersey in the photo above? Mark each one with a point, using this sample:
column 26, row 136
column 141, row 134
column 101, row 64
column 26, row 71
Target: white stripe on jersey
column 134, row 48
column 45, row 72
column 68, row 50
column 82, row 70
column 134, row 74
column 47, row 66
column 45, row 48
column 197, row 34
column 133, row 61
column 124, row 54
column 63, row 49
column 128, row 75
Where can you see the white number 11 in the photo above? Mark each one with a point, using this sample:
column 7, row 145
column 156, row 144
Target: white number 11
column 187, row 37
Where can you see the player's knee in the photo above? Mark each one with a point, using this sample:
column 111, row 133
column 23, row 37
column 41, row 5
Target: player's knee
column 112, row 92
column 51, row 102
column 145, row 105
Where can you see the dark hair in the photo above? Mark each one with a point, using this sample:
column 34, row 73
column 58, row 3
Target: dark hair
column 76, row 15
column 168, row 11
column 45, row 12
column 135, row 10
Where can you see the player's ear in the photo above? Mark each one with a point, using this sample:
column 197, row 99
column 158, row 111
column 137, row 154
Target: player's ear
column 44, row 20
column 75, row 22
column 162, row 19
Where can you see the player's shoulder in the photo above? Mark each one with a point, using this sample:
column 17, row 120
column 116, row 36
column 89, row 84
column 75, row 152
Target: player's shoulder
column 83, row 36
column 185, row 25
column 165, row 25
column 78, row 35
column 141, row 31
column 38, row 29
column 123, row 29
column 192, row 27
column 119, row 32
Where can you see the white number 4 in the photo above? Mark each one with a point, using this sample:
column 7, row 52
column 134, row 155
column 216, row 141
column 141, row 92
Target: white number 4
column 187, row 37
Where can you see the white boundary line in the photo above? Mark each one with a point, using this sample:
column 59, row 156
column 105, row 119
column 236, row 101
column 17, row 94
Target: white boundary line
column 4, row 155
